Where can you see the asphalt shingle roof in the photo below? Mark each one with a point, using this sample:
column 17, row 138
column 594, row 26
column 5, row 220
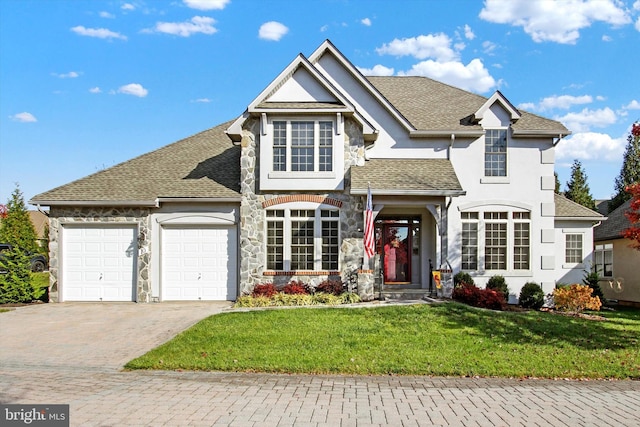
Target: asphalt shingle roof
column 566, row 208
column 615, row 224
column 203, row 165
column 431, row 105
column 418, row 176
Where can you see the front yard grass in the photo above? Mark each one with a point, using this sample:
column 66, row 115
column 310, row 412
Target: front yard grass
column 448, row 339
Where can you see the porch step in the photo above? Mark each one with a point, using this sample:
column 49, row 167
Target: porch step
column 406, row 294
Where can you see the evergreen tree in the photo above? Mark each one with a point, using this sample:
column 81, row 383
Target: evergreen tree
column 557, row 189
column 17, row 228
column 630, row 171
column 15, row 279
column 577, row 187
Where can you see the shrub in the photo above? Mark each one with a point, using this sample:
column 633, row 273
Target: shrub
column 575, row 299
column 251, row 301
column 264, row 290
column 334, row 287
column 497, row 283
column 295, row 287
column 282, row 299
column 474, row 296
column 531, row 296
column 462, row 277
column 350, row 298
column 326, row 298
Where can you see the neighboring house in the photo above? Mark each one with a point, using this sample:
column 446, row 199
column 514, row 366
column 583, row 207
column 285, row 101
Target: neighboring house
column 615, row 260
column 458, row 181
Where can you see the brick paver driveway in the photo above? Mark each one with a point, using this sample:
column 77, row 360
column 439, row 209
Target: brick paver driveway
column 72, row 353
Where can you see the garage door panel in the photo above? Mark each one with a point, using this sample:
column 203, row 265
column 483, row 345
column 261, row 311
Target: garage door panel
column 98, row 263
column 202, row 256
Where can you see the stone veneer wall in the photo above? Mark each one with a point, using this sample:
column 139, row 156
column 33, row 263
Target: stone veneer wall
column 101, row 215
column 252, row 213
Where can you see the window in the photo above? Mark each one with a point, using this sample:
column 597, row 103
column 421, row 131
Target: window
column 302, row 239
column 302, row 146
column 521, row 235
column 469, row 240
column 495, row 250
column 496, row 240
column 603, row 259
column 573, row 248
column 495, row 152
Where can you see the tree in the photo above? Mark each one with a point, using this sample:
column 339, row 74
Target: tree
column 15, row 281
column 577, row 187
column 633, row 214
column 557, row 186
column 17, row 228
column 630, row 171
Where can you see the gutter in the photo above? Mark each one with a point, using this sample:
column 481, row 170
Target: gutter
column 436, row 133
column 451, row 193
column 138, row 203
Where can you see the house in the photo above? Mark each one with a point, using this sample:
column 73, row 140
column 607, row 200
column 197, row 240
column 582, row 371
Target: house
column 458, row 182
column 615, row 260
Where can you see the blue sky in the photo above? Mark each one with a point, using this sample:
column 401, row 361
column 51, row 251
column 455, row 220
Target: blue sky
column 85, row 85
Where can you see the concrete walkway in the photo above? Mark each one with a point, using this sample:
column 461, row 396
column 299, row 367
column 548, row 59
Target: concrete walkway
column 72, row 354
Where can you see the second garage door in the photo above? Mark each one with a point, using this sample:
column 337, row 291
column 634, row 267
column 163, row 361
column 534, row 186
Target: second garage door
column 199, row 263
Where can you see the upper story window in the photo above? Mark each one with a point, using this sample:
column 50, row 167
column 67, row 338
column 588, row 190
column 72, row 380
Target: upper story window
column 495, row 152
column 302, row 146
column 304, row 152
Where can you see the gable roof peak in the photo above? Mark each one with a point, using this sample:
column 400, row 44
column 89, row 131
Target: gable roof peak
column 503, row 101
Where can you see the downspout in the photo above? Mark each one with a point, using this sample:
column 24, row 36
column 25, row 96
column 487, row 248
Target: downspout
column 450, row 147
column 557, row 141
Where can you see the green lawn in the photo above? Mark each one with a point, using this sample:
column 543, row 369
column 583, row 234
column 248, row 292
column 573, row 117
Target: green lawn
column 442, row 340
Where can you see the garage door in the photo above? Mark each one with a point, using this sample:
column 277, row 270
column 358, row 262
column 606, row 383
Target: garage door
column 199, row 263
column 99, row 263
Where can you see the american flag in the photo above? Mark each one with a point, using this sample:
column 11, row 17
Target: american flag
column 369, row 240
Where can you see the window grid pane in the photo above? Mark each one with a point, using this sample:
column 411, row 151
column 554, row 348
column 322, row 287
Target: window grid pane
column 521, row 246
column 496, row 246
column 302, row 245
column 330, row 247
column 279, row 146
column 469, row 246
column 573, row 248
column 275, row 245
column 495, row 157
column 326, row 147
column 302, row 140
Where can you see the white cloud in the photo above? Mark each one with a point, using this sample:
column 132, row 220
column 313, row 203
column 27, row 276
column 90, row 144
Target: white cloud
column 198, row 24
column 468, row 33
column 324, row 28
column 272, row 30
column 377, row 70
column 590, row 145
column 587, row 119
column 127, row 6
column 488, row 47
column 559, row 102
column 108, row 15
column 202, row 100
column 95, row 90
column 637, row 24
column 69, row 75
column 134, row 89
column 473, row 76
column 436, row 46
column 24, row 117
column 101, row 33
column 606, row 38
column 366, row 21
column 633, row 105
column 206, row 4
column 555, row 21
